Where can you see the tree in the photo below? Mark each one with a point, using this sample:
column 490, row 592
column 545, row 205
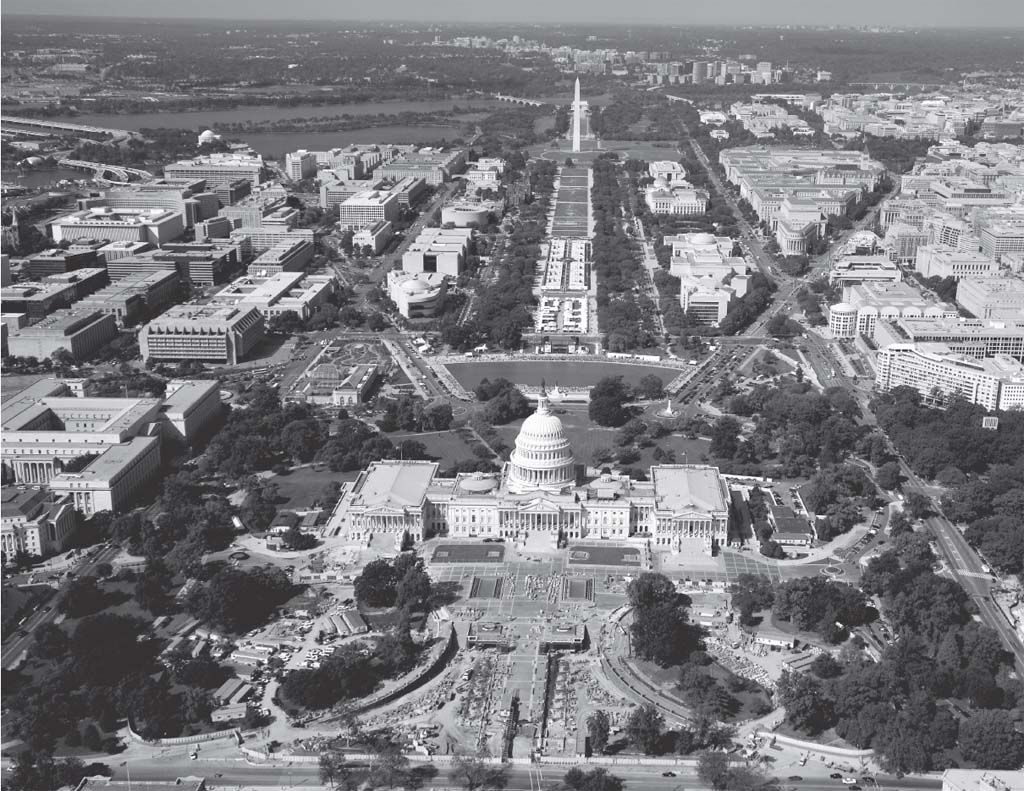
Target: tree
column 238, row 600
column 376, row 585
column 414, row 589
column 599, row 779
column 607, row 402
column 725, row 437
column 650, row 589
column 473, row 773
column 808, row 708
column 390, row 767
column 899, row 523
column 152, row 588
column 334, row 771
column 598, row 728
column 644, row 726
column 49, row 642
column 990, row 740
column 713, row 769
column 919, row 506
column 650, row 386
column 751, row 593
column 888, row 476
column 91, row 738
column 81, row 597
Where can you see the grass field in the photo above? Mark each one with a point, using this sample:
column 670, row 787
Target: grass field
column 446, row 447
column 571, row 373
column 302, row 486
column 594, row 555
column 468, row 553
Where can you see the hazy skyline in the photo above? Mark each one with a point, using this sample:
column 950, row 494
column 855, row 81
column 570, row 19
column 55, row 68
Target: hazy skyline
column 945, row 13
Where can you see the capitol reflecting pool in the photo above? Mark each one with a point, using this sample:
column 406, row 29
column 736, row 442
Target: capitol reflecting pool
column 566, row 373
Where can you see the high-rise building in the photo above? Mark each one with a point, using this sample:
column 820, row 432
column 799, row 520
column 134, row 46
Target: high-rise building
column 367, row 208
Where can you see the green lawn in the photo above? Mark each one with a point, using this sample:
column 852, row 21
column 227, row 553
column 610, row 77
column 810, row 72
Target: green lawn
column 302, row 486
column 447, row 447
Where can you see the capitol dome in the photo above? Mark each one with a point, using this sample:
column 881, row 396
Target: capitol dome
column 542, row 459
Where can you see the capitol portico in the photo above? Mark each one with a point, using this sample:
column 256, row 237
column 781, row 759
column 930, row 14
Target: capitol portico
column 541, row 489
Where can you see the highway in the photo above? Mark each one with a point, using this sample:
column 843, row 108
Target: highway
column 13, row 647
column 235, row 774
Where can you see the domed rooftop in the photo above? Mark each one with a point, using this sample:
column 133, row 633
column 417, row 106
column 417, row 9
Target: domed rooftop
column 703, row 238
column 842, row 307
column 661, row 182
column 414, row 286
column 542, row 459
column 478, row 482
column 209, row 134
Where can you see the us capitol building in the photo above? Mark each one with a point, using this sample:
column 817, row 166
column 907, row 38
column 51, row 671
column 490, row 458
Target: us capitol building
column 541, row 489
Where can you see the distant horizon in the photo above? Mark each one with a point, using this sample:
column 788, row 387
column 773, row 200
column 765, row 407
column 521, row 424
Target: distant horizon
column 910, row 14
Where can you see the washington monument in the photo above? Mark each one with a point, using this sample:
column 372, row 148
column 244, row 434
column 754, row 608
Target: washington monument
column 576, row 118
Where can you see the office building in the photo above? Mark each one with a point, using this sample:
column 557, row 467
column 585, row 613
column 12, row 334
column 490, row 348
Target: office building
column 375, row 237
column 992, row 297
column 863, row 259
column 56, row 261
column 287, row 256
column 205, row 333
column 115, row 251
column 433, row 165
column 418, row 295
column 973, row 337
column 34, row 522
column 367, row 208
column 213, row 228
column 199, row 263
column 1002, row 237
column 188, row 197
column 683, row 508
column 935, row 260
column 114, row 480
column 902, row 241
column 156, row 226
column 80, row 332
column 300, row 165
column 439, row 250
column 257, row 239
column 938, row 374
column 134, row 298
column 253, row 209
column 45, row 426
column 219, row 170
column 865, row 304
column 37, row 300
column 277, row 294
column 334, row 192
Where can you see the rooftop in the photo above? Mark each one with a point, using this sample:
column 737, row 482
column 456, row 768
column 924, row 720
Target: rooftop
column 680, row 487
column 395, row 484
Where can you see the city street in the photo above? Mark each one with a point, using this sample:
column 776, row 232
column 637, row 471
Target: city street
column 235, row 774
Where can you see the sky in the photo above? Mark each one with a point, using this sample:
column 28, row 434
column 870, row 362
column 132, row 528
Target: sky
column 925, row 13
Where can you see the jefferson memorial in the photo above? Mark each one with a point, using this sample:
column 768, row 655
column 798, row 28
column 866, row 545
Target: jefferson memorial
column 541, row 489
